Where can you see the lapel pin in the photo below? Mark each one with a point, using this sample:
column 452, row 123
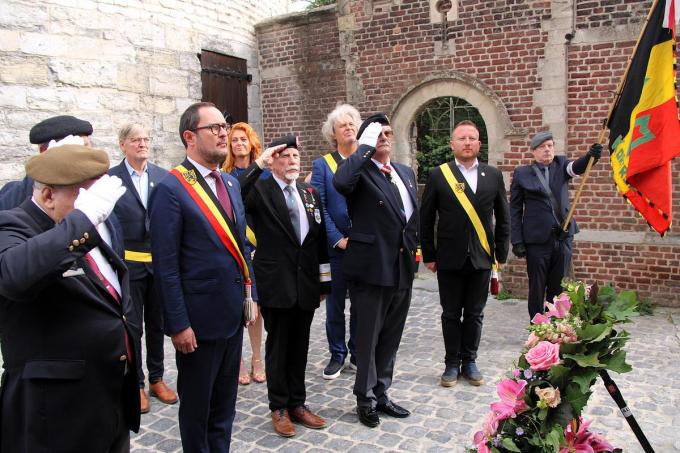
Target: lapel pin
column 483, row 174
column 229, row 182
column 151, row 183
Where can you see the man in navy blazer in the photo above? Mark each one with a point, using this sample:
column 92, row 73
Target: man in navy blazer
column 200, row 266
column 379, row 262
column 537, row 215
column 139, row 177
column 340, row 129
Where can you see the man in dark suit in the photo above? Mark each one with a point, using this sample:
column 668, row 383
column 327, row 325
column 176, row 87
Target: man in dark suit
column 379, row 262
column 292, row 270
column 466, row 247
column 67, row 336
column 340, row 129
column 201, row 271
column 52, row 129
column 140, row 176
column 539, row 204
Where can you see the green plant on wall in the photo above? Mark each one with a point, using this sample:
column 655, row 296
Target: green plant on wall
column 316, row 3
column 434, row 125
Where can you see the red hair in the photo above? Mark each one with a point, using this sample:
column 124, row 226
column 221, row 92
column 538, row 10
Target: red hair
column 255, row 146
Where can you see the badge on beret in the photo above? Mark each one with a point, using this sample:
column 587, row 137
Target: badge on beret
column 317, row 215
column 190, row 177
column 460, row 187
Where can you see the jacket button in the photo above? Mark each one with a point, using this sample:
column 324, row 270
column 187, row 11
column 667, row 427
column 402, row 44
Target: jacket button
column 401, row 249
column 380, row 203
column 76, row 242
column 123, row 358
column 70, row 248
column 124, row 318
column 237, row 280
column 86, row 235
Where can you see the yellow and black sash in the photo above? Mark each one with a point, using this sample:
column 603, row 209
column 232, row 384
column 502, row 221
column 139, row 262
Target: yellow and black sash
column 333, row 160
column 459, row 192
column 194, row 185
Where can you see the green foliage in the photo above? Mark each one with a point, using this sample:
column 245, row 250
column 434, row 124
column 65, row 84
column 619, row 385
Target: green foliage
column 504, row 294
column 317, row 3
column 435, row 151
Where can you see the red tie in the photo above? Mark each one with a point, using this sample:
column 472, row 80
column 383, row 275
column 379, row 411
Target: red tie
column 112, row 291
column 222, row 194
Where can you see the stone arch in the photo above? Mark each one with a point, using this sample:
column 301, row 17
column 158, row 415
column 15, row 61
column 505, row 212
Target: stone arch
column 499, row 126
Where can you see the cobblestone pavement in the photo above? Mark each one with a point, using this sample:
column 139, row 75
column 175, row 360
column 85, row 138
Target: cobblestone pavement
column 444, row 420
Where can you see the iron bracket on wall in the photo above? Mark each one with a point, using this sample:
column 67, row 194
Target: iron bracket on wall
column 230, row 74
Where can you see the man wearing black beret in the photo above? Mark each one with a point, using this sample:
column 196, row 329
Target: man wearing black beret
column 54, row 129
column 292, row 272
column 539, row 203
column 379, row 262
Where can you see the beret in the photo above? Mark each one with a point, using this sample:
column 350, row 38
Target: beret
column 540, row 138
column 375, row 118
column 290, row 140
column 67, row 165
column 58, row 127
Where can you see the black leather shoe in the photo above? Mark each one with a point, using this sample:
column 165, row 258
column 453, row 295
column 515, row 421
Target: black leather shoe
column 368, row 416
column 393, row 410
column 471, row 373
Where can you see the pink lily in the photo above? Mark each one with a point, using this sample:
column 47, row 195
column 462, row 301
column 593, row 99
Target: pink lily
column 480, row 441
column 512, row 401
column 583, row 441
column 560, row 308
column 540, row 318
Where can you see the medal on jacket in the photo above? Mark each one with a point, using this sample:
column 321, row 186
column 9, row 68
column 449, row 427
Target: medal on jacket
column 460, row 187
column 317, row 215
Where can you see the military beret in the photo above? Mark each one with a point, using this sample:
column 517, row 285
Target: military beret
column 58, row 127
column 67, row 165
column 375, row 118
column 540, row 138
column 290, row 140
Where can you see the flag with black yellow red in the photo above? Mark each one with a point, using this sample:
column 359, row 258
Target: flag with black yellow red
column 644, row 129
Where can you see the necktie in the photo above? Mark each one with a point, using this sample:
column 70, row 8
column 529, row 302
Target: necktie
column 222, row 194
column 547, row 174
column 293, row 211
column 109, row 287
column 387, row 171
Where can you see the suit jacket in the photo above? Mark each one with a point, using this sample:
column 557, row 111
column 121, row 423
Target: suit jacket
column 382, row 244
column 134, row 217
column 288, row 273
column 530, row 207
column 200, row 283
column 62, row 336
column 456, row 236
column 14, row 193
column 334, row 204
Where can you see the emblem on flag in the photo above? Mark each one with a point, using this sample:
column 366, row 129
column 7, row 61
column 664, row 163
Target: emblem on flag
column 460, row 187
column 189, row 176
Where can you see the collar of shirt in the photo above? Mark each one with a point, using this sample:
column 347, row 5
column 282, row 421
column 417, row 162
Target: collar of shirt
column 379, row 164
column 204, row 171
column 132, row 171
column 462, row 167
column 282, row 184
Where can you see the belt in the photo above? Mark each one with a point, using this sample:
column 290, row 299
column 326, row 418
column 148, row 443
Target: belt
column 141, row 257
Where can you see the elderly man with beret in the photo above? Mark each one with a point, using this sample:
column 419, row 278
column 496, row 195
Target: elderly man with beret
column 42, row 134
column 70, row 380
column 539, row 204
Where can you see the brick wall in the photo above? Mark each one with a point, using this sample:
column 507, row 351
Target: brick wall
column 501, row 43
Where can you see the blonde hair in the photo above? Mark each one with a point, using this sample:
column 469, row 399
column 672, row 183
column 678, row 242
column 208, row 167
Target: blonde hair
column 255, row 146
column 339, row 112
column 125, row 131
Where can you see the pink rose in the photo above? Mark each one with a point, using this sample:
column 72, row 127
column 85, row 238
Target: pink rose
column 549, row 395
column 543, row 356
column 532, row 341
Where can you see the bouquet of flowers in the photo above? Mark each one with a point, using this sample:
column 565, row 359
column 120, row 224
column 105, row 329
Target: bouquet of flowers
column 541, row 400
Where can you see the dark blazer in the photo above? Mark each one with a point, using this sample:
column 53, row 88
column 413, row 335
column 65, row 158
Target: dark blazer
column 62, row 336
column 287, row 272
column 334, row 204
column 456, row 236
column 530, row 208
column 382, row 245
column 134, row 218
column 200, row 284
column 14, row 193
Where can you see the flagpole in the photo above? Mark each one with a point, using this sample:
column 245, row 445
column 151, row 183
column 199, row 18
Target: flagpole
column 600, row 139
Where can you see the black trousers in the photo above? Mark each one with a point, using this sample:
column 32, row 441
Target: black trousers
column 462, row 295
column 148, row 308
column 286, row 355
column 547, row 264
column 380, row 315
column 207, row 383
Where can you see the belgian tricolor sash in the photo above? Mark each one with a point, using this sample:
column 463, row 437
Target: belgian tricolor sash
column 197, row 189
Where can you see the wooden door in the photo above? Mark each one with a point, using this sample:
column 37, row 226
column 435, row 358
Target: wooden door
column 225, row 83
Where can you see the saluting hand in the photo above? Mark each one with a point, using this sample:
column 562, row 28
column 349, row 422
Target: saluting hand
column 185, row 341
column 268, row 155
column 370, row 135
column 97, row 201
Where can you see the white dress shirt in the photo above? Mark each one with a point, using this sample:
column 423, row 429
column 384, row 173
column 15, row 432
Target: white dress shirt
column 304, row 221
column 403, row 191
column 141, row 182
column 469, row 174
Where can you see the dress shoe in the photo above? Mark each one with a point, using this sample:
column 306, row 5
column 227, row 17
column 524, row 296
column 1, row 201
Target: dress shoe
column 368, row 416
column 303, row 415
column 164, row 393
column 282, row 424
column 450, row 376
column 144, row 404
column 471, row 373
column 333, row 369
column 393, row 410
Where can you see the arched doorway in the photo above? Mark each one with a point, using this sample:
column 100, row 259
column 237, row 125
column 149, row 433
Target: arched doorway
column 434, row 124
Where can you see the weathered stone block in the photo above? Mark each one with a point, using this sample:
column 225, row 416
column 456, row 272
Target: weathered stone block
column 85, row 73
column 22, row 15
column 24, row 70
column 168, row 82
column 13, row 96
column 9, row 40
column 51, row 98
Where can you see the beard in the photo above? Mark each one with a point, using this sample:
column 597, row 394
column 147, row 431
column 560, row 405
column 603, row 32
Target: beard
column 292, row 175
column 213, row 156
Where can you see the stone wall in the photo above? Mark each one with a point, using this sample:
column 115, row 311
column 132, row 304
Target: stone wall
column 526, row 65
column 113, row 61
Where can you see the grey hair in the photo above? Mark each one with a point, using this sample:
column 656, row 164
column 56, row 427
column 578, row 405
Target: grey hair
column 125, row 131
column 341, row 110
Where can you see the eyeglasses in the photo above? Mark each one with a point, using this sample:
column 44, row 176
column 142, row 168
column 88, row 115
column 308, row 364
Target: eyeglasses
column 137, row 141
column 214, row 128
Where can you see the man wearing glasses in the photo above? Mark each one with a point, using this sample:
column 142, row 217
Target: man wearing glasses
column 140, row 176
column 201, row 271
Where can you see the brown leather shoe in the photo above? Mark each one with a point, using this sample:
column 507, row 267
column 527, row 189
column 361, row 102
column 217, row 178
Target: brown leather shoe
column 164, row 393
column 144, row 405
column 303, row 415
column 282, row 424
